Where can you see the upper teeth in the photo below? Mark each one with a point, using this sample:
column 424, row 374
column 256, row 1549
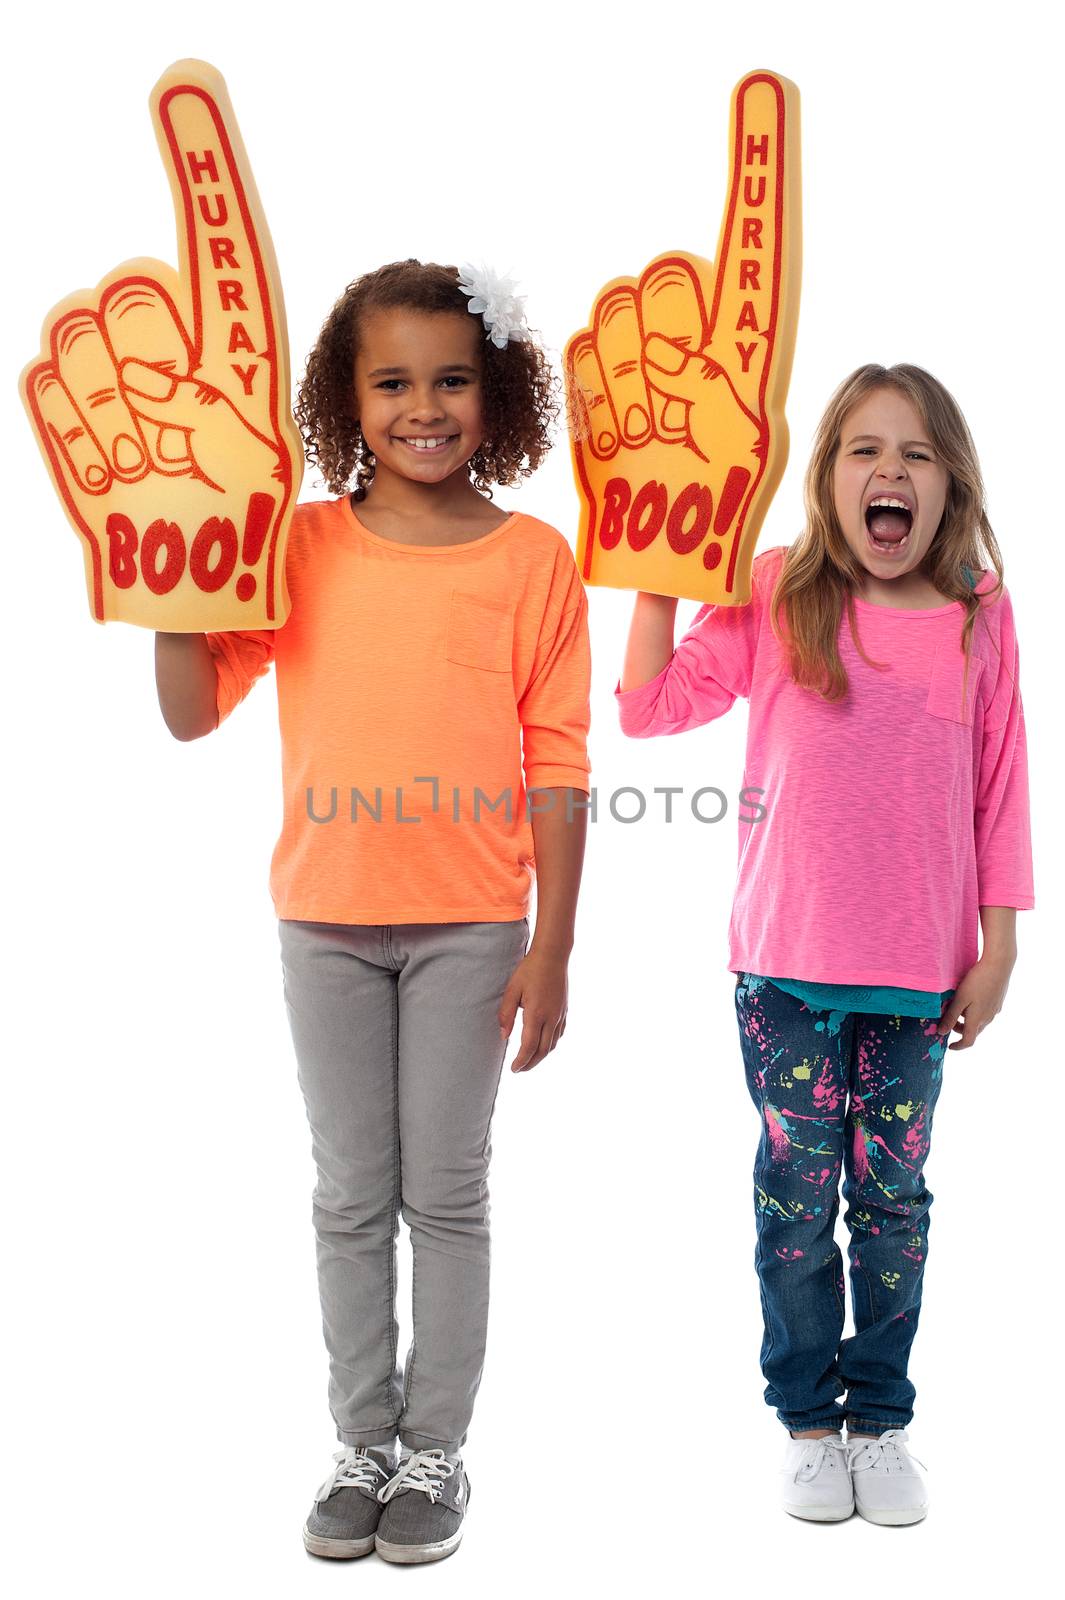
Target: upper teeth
column 883, row 500
column 427, row 444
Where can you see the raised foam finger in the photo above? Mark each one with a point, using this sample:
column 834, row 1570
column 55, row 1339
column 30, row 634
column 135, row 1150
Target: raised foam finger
column 617, row 338
column 600, row 425
column 672, row 306
column 86, row 368
column 756, row 294
column 73, row 453
column 225, row 245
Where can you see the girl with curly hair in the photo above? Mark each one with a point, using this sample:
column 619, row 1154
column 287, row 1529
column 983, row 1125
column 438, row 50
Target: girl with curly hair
column 886, row 741
column 433, row 682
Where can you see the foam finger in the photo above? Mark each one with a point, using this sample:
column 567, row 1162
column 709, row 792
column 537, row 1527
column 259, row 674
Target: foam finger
column 671, row 307
column 142, row 323
column 224, row 239
column 756, row 292
column 71, row 448
column 86, row 368
column 617, row 338
column 603, row 434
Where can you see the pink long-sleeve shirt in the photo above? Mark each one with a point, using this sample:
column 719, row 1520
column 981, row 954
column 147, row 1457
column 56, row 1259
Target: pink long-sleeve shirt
column 892, row 815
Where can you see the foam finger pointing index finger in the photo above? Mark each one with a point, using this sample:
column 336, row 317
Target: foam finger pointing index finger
column 221, row 230
column 756, row 289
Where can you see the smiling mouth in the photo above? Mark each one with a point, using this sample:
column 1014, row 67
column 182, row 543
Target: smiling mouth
column 888, row 522
column 429, row 446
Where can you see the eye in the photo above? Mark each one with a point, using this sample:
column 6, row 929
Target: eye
column 864, row 450
column 455, row 378
column 918, row 455
column 389, row 384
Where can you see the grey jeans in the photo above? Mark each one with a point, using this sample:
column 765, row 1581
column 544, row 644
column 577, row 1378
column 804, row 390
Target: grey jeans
column 396, row 1033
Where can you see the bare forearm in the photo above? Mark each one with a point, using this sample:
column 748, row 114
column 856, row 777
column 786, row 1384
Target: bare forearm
column 650, row 646
column 187, row 683
column 999, row 924
column 560, row 828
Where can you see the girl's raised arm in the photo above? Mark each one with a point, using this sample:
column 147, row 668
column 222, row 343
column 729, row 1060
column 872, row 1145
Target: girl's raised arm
column 650, row 646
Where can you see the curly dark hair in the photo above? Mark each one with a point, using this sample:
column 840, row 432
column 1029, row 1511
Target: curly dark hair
column 520, row 392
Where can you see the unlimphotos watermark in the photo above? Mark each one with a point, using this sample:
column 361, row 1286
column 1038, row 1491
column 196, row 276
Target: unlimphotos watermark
column 629, row 803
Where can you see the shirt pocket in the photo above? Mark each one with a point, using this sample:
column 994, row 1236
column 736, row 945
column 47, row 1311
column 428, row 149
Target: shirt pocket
column 480, row 633
column 945, row 689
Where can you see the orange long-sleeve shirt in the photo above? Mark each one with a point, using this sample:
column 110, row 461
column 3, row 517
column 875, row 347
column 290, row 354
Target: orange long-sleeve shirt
column 422, row 691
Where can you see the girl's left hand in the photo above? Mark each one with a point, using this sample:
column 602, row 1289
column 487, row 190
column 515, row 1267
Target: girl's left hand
column 979, row 996
column 538, row 985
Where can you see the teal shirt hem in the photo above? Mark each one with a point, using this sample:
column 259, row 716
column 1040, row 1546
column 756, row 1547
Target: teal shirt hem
column 881, row 1001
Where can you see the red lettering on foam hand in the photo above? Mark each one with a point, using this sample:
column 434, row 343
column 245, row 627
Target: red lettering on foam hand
column 749, row 275
column 695, row 497
column 256, row 527
column 757, row 150
column 121, row 550
column 239, row 338
column 198, row 165
column 230, row 293
column 647, row 515
column 747, row 318
column 220, row 532
column 616, row 497
column 752, row 233
column 749, row 196
column 223, row 254
column 246, row 374
column 746, row 351
column 222, row 210
column 165, row 537
column 731, row 496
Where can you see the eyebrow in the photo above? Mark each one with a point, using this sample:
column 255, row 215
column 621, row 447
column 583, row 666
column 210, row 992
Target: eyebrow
column 874, row 438
column 398, row 372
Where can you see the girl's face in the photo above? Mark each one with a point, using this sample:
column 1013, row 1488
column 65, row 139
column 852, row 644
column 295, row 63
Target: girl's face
column 889, row 487
column 418, row 392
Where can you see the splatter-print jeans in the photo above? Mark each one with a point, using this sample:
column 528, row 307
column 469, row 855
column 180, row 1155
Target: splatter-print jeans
column 853, row 1090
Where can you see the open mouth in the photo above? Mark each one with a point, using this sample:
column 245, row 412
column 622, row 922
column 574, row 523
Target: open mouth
column 888, row 522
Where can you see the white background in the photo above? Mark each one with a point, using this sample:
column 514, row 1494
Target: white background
column 165, row 1418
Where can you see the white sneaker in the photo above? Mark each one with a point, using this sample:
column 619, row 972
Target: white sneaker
column 815, row 1480
column 887, row 1486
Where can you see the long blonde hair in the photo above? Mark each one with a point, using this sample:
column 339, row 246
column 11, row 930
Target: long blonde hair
column 820, row 574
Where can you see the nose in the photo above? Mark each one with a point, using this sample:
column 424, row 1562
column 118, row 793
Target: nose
column 892, row 465
column 425, row 405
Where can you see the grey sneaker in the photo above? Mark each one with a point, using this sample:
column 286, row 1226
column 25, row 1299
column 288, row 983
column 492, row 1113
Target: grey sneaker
column 346, row 1510
column 424, row 1505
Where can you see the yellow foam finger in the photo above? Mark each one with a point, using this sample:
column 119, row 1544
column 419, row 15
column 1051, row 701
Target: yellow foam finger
column 678, row 512
column 755, row 308
column 226, row 255
column 598, row 426
column 86, row 370
column 142, row 324
column 672, row 306
column 189, row 535
column 62, row 430
column 617, row 338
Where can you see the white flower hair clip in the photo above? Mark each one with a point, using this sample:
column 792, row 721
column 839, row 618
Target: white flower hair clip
column 493, row 297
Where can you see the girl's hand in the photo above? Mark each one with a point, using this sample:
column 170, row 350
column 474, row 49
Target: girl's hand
column 980, row 996
column 538, row 985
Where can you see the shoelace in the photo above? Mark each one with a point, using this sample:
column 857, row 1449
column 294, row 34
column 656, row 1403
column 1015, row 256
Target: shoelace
column 426, row 1470
column 812, row 1462
column 353, row 1470
column 868, row 1453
